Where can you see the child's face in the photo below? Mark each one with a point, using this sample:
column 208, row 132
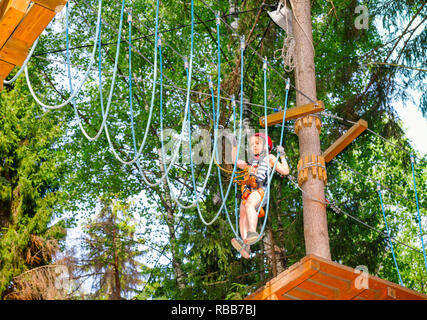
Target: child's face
column 255, row 144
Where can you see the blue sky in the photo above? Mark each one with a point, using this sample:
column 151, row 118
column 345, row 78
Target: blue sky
column 414, row 123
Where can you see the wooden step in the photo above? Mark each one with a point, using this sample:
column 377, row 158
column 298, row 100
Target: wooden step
column 292, row 113
column 343, row 141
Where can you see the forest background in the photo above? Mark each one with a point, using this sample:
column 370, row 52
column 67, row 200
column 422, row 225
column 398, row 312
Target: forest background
column 133, row 241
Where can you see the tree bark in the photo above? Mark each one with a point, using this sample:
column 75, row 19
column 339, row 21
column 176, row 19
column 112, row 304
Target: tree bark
column 315, row 223
column 176, row 262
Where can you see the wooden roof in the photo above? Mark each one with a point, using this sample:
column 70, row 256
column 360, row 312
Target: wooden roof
column 21, row 23
column 315, row 278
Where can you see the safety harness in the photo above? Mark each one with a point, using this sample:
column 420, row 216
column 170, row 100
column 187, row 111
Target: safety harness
column 251, row 181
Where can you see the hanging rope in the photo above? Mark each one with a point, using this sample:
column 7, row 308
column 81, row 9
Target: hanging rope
column 270, row 177
column 200, row 193
column 85, row 77
column 24, row 65
column 216, row 120
column 287, row 53
column 70, row 81
column 388, row 233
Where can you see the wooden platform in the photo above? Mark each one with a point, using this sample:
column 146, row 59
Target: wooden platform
column 21, row 23
column 314, row 278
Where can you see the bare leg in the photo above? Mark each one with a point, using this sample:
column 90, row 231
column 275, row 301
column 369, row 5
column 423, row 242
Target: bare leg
column 251, row 203
column 243, row 221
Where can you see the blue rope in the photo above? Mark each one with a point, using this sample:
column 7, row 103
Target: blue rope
column 270, row 177
column 67, row 46
column 132, row 121
column 418, row 211
column 130, row 88
column 388, row 233
column 216, row 119
column 191, row 150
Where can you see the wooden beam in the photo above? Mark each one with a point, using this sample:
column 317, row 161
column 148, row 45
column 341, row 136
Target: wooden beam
column 11, row 13
column 5, row 69
column 29, row 29
column 345, row 140
column 292, row 113
column 54, row 5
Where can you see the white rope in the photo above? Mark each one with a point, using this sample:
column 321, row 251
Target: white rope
column 24, row 65
column 85, row 77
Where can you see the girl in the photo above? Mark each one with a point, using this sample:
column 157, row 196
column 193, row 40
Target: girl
column 255, row 186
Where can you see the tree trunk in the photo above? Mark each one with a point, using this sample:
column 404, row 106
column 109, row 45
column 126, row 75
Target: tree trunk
column 273, row 253
column 116, row 263
column 176, row 262
column 315, row 223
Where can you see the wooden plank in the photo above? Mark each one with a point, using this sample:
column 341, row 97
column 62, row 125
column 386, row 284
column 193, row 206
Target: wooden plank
column 345, row 140
column 286, row 280
column 317, row 278
column 368, row 294
column 5, row 68
column 305, row 294
column 32, row 25
column 11, row 13
column 319, row 288
column 54, row 5
column 332, row 281
column 292, row 113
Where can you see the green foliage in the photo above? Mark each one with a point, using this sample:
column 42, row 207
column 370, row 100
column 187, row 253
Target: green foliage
column 30, row 195
column 110, row 252
column 347, row 82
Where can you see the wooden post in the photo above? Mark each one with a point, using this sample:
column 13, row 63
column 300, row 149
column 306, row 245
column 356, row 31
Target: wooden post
column 314, row 213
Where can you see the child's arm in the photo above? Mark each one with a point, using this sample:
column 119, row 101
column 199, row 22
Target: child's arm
column 281, row 167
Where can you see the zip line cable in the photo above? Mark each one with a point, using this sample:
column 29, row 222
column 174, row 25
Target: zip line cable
column 383, row 187
column 334, row 116
column 104, row 44
column 334, row 207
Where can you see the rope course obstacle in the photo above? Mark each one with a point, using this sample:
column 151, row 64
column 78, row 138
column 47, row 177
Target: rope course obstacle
column 23, row 22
